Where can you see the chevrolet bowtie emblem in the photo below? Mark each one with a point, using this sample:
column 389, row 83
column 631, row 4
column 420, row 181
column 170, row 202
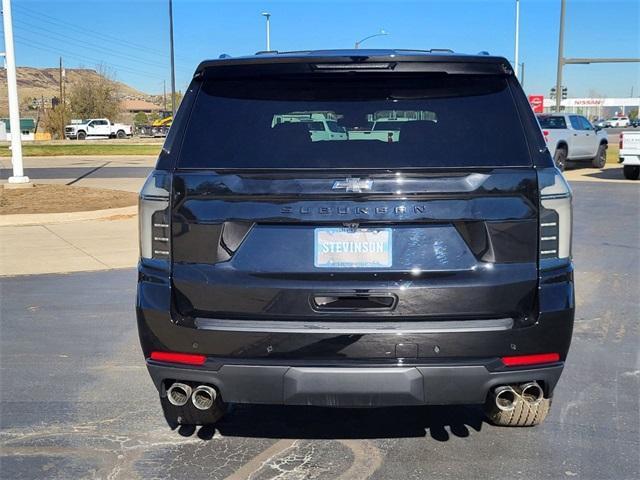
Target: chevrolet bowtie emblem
column 351, row 184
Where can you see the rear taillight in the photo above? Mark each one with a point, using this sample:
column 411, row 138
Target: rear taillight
column 621, row 140
column 175, row 357
column 546, row 135
column 155, row 232
column 535, row 359
column 555, row 218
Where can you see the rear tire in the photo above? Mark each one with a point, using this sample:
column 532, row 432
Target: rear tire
column 600, row 160
column 81, row 135
column 523, row 415
column 631, row 172
column 560, row 158
column 121, row 134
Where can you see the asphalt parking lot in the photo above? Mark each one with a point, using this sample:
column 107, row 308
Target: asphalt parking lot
column 76, row 400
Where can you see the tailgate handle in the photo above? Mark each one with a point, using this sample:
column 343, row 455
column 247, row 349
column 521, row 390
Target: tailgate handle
column 353, row 302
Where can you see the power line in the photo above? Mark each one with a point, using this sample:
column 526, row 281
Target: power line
column 54, row 20
column 92, row 46
column 25, row 42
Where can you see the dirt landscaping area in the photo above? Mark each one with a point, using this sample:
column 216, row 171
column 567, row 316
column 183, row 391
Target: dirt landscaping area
column 61, row 199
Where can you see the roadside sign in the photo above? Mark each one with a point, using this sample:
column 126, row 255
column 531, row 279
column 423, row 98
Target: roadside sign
column 537, row 103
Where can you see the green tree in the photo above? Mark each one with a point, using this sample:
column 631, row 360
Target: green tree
column 140, row 119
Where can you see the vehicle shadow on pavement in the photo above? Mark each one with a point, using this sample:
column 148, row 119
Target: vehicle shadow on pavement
column 608, row 174
column 266, row 421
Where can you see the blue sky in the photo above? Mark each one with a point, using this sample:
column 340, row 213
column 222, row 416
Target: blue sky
column 131, row 37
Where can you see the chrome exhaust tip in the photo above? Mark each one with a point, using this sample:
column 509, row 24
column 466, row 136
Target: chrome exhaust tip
column 531, row 393
column 203, row 397
column 506, row 398
column 178, row 394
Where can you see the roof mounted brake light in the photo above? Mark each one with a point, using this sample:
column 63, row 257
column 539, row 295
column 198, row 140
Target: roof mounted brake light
column 354, row 66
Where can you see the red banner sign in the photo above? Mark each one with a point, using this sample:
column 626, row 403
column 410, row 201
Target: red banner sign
column 537, row 103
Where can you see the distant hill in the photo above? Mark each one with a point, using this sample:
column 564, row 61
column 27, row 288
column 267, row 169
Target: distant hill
column 39, row 83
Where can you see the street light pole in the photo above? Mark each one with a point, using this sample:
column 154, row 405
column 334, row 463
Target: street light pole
column 380, row 34
column 560, row 57
column 267, row 15
column 517, row 39
column 173, row 69
column 14, row 106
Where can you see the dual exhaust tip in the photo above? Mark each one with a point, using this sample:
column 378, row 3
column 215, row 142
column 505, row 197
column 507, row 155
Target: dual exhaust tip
column 507, row 397
column 203, row 396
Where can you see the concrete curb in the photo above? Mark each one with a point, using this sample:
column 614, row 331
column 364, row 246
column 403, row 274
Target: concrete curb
column 19, row 219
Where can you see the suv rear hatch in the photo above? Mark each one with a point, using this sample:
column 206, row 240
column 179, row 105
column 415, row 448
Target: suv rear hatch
column 436, row 221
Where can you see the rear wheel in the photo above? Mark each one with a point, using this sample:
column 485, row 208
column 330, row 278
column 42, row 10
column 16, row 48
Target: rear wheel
column 631, row 172
column 524, row 414
column 121, row 134
column 560, row 158
column 81, row 135
column 600, row 160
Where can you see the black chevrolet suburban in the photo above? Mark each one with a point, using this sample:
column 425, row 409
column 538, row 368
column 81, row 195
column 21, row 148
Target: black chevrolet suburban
column 355, row 228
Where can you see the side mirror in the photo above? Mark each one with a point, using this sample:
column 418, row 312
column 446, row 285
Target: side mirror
column 597, row 128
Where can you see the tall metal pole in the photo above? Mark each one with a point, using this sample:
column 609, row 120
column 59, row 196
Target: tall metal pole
column 517, row 39
column 14, row 106
column 560, row 58
column 173, row 69
column 164, row 95
column 267, row 15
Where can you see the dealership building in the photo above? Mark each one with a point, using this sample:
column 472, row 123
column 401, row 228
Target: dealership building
column 595, row 107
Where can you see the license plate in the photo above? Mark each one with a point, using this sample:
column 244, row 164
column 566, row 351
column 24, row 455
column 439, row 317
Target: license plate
column 348, row 248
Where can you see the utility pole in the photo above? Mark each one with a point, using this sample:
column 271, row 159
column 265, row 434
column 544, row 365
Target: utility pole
column 560, row 57
column 14, row 106
column 517, row 39
column 173, row 70
column 267, row 15
column 164, row 94
column 61, row 104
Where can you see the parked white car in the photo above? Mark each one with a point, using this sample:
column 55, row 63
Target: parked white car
column 571, row 137
column 97, row 128
column 619, row 122
column 630, row 154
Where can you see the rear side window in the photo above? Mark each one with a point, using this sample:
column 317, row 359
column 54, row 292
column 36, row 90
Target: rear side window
column 552, row 122
column 348, row 121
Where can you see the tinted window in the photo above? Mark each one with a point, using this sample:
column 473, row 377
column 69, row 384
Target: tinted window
column 586, row 125
column 575, row 122
column 439, row 121
column 551, row 122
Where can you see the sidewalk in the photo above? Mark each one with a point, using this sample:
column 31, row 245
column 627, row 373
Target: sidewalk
column 61, row 243
column 69, row 247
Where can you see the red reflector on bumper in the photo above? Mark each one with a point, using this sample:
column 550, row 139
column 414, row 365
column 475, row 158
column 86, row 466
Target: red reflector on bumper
column 173, row 357
column 531, row 359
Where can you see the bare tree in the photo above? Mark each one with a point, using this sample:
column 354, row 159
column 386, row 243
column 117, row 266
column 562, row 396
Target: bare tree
column 95, row 97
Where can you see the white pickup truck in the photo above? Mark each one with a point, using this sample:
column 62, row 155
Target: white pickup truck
column 96, row 128
column 572, row 137
column 630, row 154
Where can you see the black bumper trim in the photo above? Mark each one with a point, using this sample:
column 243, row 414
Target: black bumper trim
column 355, row 386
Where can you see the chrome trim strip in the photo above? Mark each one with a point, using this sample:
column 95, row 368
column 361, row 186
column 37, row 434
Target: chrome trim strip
column 390, row 327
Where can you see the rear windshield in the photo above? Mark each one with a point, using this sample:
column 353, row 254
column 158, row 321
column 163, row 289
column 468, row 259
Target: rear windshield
column 395, row 121
column 551, row 123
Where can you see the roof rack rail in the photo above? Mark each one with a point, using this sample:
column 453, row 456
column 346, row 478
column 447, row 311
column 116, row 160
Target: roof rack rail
column 266, row 52
column 483, row 52
column 224, row 55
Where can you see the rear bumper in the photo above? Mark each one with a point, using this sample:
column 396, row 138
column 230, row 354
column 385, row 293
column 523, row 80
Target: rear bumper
column 331, row 386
